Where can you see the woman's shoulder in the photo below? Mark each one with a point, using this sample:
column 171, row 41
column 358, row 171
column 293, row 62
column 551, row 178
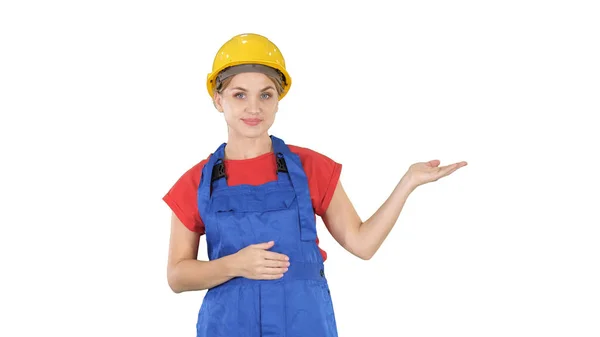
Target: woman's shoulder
column 310, row 156
column 316, row 163
column 323, row 174
column 193, row 174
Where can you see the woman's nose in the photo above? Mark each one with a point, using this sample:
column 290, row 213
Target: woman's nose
column 253, row 106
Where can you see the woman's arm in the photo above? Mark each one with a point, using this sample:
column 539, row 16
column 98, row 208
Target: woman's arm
column 363, row 239
column 184, row 271
column 360, row 238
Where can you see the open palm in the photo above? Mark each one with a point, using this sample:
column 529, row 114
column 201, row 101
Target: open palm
column 426, row 172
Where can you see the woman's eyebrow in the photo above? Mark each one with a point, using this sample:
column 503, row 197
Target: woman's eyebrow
column 242, row 89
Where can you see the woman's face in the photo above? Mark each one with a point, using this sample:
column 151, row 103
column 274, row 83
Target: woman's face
column 249, row 104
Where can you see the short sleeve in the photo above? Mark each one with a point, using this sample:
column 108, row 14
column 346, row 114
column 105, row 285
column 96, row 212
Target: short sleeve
column 323, row 174
column 182, row 198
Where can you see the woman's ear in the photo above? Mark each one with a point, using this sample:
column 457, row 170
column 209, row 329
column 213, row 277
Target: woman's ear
column 217, row 102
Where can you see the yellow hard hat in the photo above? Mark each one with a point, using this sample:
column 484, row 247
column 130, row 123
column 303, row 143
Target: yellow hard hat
column 249, row 49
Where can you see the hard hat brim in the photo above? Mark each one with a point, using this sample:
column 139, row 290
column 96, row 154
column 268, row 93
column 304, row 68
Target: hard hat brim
column 287, row 80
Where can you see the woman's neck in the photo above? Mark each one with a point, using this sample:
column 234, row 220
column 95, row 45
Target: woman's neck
column 239, row 147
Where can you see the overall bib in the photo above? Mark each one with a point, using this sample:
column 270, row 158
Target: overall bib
column 296, row 305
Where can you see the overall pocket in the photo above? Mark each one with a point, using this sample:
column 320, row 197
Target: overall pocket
column 249, row 218
column 253, row 202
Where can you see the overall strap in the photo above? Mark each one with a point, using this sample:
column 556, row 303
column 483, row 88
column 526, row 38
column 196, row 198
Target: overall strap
column 293, row 166
column 214, row 167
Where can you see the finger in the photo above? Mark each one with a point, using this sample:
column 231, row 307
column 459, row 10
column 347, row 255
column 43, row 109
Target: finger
column 273, row 271
column 264, row 245
column 270, row 276
column 456, row 165
column 447, row 170
column 433, row 163
column 276, row 264
column 275, row 256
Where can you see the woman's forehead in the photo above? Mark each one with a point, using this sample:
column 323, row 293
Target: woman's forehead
column 250, row 80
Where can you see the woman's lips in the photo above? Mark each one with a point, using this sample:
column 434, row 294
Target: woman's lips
column 251, row 121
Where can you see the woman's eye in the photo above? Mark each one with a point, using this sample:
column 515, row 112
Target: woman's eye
column 242, row 95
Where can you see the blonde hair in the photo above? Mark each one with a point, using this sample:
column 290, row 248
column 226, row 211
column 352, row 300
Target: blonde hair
column 222, row 85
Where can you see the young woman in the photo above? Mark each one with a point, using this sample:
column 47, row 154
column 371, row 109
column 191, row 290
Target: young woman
column 256, row 199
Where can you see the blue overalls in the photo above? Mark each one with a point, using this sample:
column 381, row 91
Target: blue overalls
column 299, row 303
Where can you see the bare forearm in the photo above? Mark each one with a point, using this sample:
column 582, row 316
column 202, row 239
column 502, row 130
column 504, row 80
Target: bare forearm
column 190, row 275
column 371, row 233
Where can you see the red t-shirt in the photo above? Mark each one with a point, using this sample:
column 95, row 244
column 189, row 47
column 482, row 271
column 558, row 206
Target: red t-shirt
column 322, row 172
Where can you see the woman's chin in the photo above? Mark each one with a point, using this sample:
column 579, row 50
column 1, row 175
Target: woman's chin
column 251, row 132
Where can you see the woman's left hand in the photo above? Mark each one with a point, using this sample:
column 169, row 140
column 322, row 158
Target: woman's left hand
column 426, row 172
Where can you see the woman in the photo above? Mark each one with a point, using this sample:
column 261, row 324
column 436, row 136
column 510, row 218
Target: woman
column 256, row 199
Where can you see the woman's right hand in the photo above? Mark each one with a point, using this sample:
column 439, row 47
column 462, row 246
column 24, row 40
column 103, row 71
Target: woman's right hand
column 256, row 262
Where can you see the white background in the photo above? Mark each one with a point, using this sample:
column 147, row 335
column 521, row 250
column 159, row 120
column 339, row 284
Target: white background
column 103, row 107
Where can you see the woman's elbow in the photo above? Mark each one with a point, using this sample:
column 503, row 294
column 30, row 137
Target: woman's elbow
column 173, row 281
column 175, row 288
column 359, row 249
column 365, row 255
column 361, row 252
